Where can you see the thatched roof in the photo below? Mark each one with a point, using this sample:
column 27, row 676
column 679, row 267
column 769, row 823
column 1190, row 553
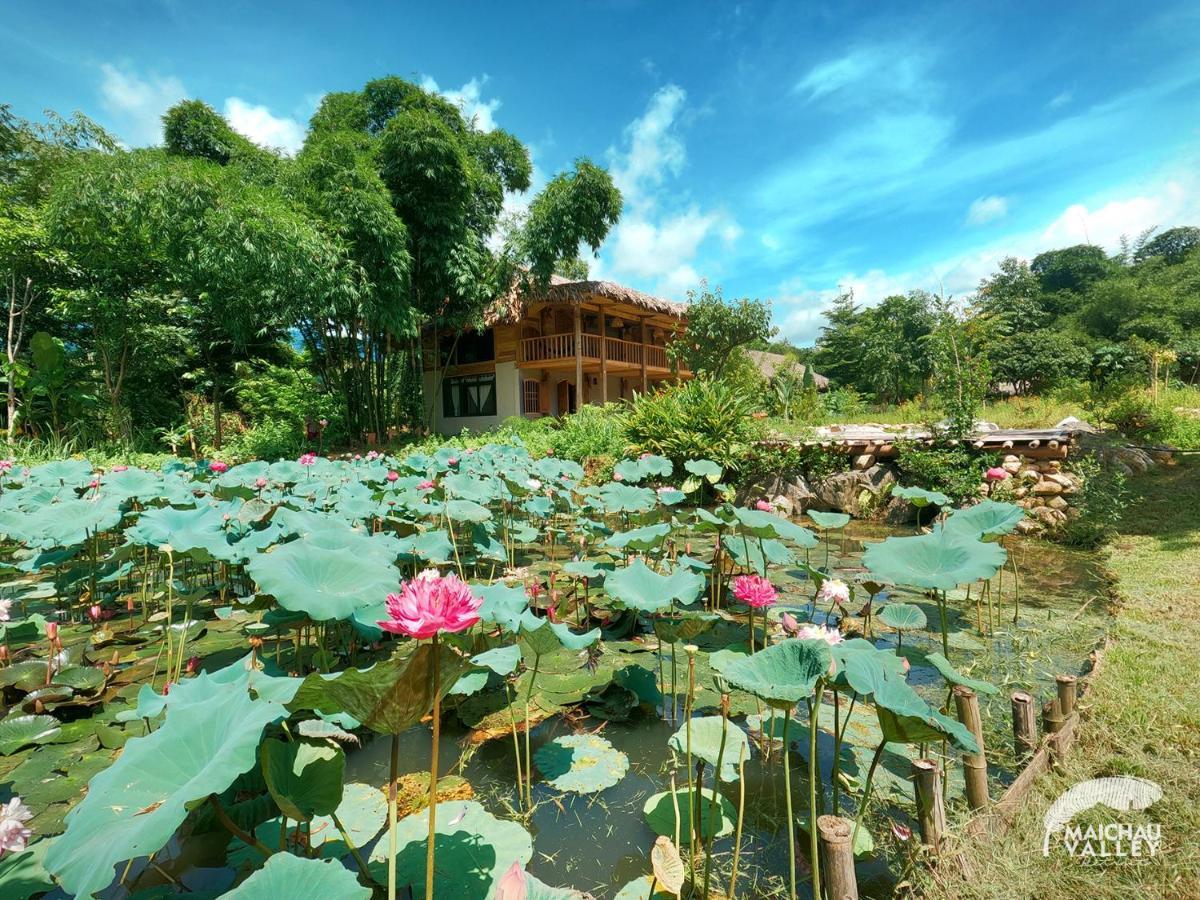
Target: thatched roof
column 770, row 363
column 511, row 307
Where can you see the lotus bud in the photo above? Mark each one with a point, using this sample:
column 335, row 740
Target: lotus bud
column 94, row 612
column 193, row 664
column 3, row 653
column 393, row 476
column 129, row 604
column 52, row 631
column 511, row 885
column 166, row 689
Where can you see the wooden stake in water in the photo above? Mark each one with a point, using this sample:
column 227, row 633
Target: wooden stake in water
column 974, row 764
column 1024, row 718
column 1067, row 689
column 837, row 857
column 931, row 812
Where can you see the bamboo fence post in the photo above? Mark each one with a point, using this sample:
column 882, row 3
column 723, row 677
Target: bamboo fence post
column 1067, row 693
column 974, row 764
column 931, row 812
column 837, row 857
column 1024, row 718
column 1052, row 716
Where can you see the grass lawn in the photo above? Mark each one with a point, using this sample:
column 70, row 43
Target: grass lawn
column 1142, row 718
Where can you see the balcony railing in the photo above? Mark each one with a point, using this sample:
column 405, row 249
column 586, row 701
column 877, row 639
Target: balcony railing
column 557, row 347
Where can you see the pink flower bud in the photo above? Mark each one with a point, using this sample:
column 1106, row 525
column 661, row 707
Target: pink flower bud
column 393, row 476
column 52, row 631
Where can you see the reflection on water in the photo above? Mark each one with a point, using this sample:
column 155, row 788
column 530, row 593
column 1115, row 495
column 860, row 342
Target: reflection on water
column 599, row 842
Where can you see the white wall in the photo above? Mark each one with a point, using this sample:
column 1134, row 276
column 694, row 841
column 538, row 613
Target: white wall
column 508, row 403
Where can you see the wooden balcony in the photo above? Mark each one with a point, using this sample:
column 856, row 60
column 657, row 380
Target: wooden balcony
column 557, row 351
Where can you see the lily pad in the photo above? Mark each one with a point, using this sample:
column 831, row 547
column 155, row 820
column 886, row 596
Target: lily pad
column 659, row 810
column 583, row 763
column 782, row 674
column 830, row 521
column 303, row 777
column 286, row 875
column 903, row 616
column 706, row 743
column 21, row 731
column 639, row 587
column 938, row 560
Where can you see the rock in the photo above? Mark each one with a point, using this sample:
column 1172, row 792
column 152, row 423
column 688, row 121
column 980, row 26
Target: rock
column 1046, row 488
column 899, row 512
column 787, row 488
column 1063, row 481
column 865, row 461
column 783, row 505
column 1071, row 423
column 1028, row 526
column 1021, row 492
column 1051, row 518
column 1057, row 503
column 1030, row 475
column 855, row 492
column 1011, row 465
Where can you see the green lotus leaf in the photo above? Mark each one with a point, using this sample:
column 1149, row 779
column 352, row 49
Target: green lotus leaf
column 695, row 565
column 704, row 468
column 82, row 679
column 946, row 670
column 659, row 466
column 583, row 763
column 132, row 484
column 669, row 496
column 362, row 812
column 133, row 807
column 304, row 777
column 782, row 674
column 862, row 668
column 706, row 743
column 287, row 875
column 21, row 731
column 24, row 874
column 69, row 522
column 589, row 569
column 905, row 718
column 988, row 518
column 624, row 498
column 501, row 660
column 639, row 587
column 73, row 472
column 672, row 629
column 919, row 497
column 828, row 520
column 185, row 530
column 390, row 696
column 644, row 887
column 762, row 524
column 321, row 582
column 937, row 560
column 902, row 616
column 502, row 604
column 721, row 520
column 538, row 636
column 630, row 470
column 659, row 810
column 27, row 675
column 473, row 850
column 468, row 487
column 757, row 554
column 430, row 546
column 467, row 511
column 645, row 538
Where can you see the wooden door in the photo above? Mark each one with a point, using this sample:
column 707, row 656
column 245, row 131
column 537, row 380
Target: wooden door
column 566, row 398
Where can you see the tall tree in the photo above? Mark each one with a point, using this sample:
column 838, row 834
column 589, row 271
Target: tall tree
column 718, row 331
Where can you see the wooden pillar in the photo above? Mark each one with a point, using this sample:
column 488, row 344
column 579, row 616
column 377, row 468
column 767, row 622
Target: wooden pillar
column 603, row 357
column 1024, row 717
column 643, row 356
column 837, row 857
column 1066, row 693
column 931, row 813
column 974, row 764
column 578, row 356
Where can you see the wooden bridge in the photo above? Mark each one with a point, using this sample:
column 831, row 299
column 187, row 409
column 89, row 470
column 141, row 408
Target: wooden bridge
column 880, row 440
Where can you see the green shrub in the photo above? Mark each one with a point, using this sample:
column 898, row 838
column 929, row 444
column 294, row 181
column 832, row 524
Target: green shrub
column 291, row 394
column 814, row 463
column 955, row 471
column 271, row 439
column 700, row 419
column 1100, row 503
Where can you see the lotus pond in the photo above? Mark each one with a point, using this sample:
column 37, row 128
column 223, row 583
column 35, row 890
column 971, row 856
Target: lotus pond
column 208, row 691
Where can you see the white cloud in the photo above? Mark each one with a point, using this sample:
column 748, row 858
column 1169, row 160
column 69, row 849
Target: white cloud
column 660, row 241
column 987, row 209
column 654, row 150
column 1061, row 99
column 137, row 104
column 257, row 122
column 1171, row 199
column 469, row 99
column 867, row 74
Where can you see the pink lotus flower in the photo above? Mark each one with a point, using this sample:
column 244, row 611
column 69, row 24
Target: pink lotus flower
column 260, row 482
column 5, row 610
column 3, row 654
column 617, row 476
column 120, row 468
column 511, row 885
column 453, row 461
column 834, row 591
column 393, row 476
column 307, row 459
column 764, row 506
column 533, row 484
column 754, row 590
column 324, row 423
column 94, row 483
column 94, row 612
column 426, row 485
column 995, row 473
column 372, row 454
column 357, row 457
column 830, row 636
column 218, row 467
column 14, row 834
column 428, row 605
column 5, row 465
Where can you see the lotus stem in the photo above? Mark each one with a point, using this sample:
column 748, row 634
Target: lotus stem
column 687, row 712
column 737, row 832
column 814, row 774
column 512, row 718
column 433, row 770
column 362, row 866
column 234, row 829
column 712, row 803
column 537, row 660
column 837, row 746
column 862, row 804
column 787, row 791
column 675, row 798
column 393, row 788
column 945, row 629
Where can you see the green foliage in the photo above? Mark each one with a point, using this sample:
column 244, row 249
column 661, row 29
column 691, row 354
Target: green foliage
column 1100, row 504
column 960, row 373
column 698, row 419
column 717, row 329
column 954, row 471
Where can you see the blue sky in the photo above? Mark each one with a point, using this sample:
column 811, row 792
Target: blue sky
column 783, row 151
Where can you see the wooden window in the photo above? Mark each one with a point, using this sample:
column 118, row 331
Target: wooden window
column 531, row 397
column 469, row 395
column 471, row 347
